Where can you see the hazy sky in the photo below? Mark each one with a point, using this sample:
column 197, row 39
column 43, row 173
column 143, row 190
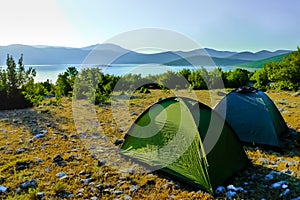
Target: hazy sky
column 224, row 24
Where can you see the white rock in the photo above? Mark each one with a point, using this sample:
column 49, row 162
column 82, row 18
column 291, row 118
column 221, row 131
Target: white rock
column 269, row 177
column 61, row 174
column 3, row 189
column 278, row 184
column 285, row 193
column 220, row 190
column 230, row 194
column 231, row 187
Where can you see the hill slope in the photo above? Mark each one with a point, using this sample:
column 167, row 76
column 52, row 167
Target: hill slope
column 260, row 63
column 258, row 55
column 111, row 53
column 206, row 61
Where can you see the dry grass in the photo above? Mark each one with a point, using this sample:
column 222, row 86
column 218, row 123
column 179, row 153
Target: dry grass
column 83, row 134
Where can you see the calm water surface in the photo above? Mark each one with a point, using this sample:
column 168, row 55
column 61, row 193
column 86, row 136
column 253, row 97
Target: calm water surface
column 51, row 72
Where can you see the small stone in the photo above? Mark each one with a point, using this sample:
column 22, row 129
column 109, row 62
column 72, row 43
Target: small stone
column 220, row 190
column 121, row 130
column 133, row 114
column 106, row 191
column 40, row 195
column 21, row 150
column 127, row 197
column 231, row 187
column 118, row 192
column 65, row 137
column 3, row 189
column 47, row 170
column 285, row 193
column 230, row 194
column 296, row 94
column 18, row 190
column 71, row 158
column 15, row 120
column 269, row 177
column 79, row 195
column 99, row 186
column 101, row 162
column 61, row 174
column 83, row 172
column 133, row 188
column 100, row 151
column 73, row 136
column 29, row 184
column 38, row 136
column 43, row 131
column 58, row 160
column 21, row 165
column 278, row 184
column 48, row 124
column 127, row 170
column 64, row 177
column 81, row 190
column 289, row 172
column 118, row 142
column 93, row 155
column 74, row 150
column 264, row 161
column 3, row 148
column 86, row 181
column 93, row 190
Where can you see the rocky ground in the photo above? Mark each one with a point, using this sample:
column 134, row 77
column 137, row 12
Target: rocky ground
column 70, row 150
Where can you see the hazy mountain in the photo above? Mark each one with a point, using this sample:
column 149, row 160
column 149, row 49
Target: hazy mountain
column 260, row 63
column 206, row 61
column 258, row 55
column 110, row 53
column 44, row 55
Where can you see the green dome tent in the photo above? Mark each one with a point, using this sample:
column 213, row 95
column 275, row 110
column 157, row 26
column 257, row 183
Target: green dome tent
column 253, row 116
column 188, row 141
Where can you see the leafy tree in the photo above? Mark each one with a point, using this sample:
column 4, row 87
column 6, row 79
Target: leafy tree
column 65, row 82
column 50, row 87
column 15, row 76
column 283, row 75
column 216, row 78
column 237, row 78
column 12, row 82
column 34, row 91
column 94, row 86
column 172, row 80
column 197, row 79
column 260, row 78
column 185, row 73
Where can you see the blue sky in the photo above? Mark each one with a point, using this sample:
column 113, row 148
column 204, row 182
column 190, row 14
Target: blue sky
column 237, row 25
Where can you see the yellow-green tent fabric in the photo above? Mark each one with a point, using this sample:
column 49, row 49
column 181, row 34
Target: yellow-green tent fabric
column 187, row 140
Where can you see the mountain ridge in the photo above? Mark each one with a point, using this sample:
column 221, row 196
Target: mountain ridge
column 114, row 54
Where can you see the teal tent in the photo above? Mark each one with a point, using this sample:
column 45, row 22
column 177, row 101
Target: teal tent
column 188, row 141
column 253, row 116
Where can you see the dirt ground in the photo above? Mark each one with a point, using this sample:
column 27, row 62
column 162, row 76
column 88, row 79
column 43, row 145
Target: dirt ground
column 66, row 150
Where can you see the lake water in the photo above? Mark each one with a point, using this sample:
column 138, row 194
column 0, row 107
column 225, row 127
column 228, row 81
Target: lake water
column 51, row 72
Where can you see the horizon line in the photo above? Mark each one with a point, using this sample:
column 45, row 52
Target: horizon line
column 82, row 47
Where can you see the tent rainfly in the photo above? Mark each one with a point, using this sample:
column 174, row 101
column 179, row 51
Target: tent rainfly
column 253, row 116
column 186, row 140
